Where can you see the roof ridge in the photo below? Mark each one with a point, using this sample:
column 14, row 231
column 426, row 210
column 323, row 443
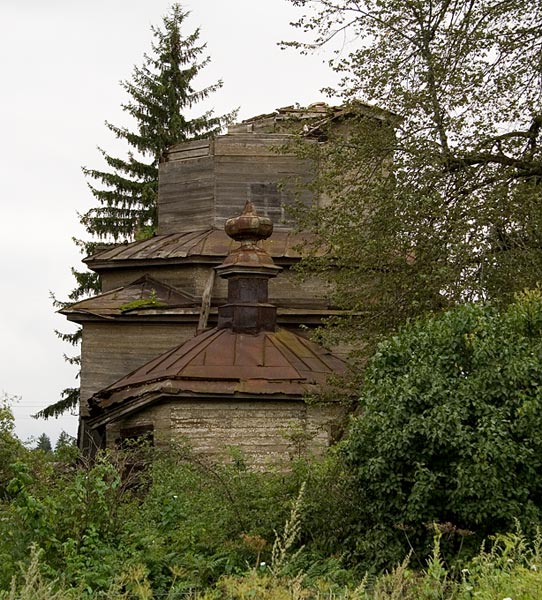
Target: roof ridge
column 159, row 360
column 285, row 351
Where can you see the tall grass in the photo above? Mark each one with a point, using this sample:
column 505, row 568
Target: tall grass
column 509, row 568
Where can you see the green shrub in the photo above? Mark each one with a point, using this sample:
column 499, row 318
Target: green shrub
column 449, row 431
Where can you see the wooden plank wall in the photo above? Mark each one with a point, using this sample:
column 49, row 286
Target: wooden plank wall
column 112, row 350
column 189, row 277
column 284, row 290
column 205, row 182
column 158, row 415
column 186, row 195
column 249, row 167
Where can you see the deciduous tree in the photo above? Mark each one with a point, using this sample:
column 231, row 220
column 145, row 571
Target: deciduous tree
column 450, row 431
column 11, row 449
column 447, row 209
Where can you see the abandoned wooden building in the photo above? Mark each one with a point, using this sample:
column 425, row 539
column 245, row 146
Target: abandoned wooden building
column 157, row 294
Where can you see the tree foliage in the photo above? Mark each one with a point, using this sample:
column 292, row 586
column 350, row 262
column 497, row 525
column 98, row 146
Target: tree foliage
column 43, row 443
column 11, row 448
column 161, row 93
column 449, row 429
column 452, row 210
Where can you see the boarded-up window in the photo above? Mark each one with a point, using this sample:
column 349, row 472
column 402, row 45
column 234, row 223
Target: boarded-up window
column 269, row 198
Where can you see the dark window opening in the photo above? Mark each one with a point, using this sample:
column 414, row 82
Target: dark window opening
column 135, row 442
column 139, row 433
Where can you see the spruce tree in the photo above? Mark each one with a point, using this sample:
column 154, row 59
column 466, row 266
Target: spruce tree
column 161, row 92
column 44, row 443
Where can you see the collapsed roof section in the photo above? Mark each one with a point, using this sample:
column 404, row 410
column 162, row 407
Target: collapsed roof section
column 311, row 121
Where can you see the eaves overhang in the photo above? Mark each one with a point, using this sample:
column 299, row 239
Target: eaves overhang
column 208, row 246
column 163, row 392
column 226, row 364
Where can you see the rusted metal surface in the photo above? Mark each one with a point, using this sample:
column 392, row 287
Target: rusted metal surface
column 210, row 243
column 145, row 294
column 229, row 363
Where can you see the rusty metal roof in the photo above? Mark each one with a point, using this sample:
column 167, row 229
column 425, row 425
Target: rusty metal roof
column 225, row 363
column 208, row 244
column 143, row 295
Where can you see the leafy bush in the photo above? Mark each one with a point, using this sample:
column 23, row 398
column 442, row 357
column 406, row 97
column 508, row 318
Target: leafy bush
column 450, row 431
column 11, row 448
column 182, row 521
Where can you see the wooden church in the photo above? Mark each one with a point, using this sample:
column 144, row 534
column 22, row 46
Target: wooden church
column 200, row 332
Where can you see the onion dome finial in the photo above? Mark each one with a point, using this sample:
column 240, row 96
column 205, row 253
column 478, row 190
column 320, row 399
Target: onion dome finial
column 249, row 226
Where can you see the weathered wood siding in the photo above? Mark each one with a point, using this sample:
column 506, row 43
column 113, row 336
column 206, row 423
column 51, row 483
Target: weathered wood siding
column 267, row 432
column 250, row 167
column 158, row 416
column 284, row 290
column 191, row 187
column 112, row 350
column 190, row 278
column 205, row 182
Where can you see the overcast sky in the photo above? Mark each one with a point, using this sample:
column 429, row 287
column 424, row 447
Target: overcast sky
column 61, row 61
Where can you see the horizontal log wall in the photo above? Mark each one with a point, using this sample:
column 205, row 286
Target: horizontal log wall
column 112, row 350
column 186, row 195
column 158, row 416
column 284, row 290
column 204, row 182
column 189, row 278
column 271, row 182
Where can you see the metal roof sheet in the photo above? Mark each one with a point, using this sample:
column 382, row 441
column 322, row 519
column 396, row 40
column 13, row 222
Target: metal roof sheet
column 227, row 362
column 209, row 243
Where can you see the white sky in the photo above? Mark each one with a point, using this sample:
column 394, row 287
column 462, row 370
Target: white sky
column 60, row 64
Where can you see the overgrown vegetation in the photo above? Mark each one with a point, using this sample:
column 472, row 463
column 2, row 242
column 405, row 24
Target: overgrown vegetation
column 434, row 493
column 186, row 529
column 449, row 430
